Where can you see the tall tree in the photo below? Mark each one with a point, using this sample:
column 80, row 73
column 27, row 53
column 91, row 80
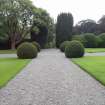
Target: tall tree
column 42, row 30
column 85, row 26
column 39, row 33
column 101, row 24
column 16, row 18
column 64, row 28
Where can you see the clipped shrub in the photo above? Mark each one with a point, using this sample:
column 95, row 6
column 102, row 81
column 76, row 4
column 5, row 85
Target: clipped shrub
column 80, row 38
column 74, row 49
column 91, row 40
column 63, row 46
column 99, row 42
column 37, row 45
column 26, row 51
column 102, row 40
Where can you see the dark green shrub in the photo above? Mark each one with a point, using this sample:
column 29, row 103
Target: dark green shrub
column 37, row 45
column 99, row 42
column 80, row 38
column 74, row 49
column 63, row 46
column 91, row 40
column 102, row 40
column 26, row 51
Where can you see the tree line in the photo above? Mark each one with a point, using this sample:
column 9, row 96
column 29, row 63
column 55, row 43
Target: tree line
column 65, row 29
column 21, row 21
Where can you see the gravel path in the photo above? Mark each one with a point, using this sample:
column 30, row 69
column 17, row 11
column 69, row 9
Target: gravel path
column 95, row 54
column 8, row 55
column 51, row 79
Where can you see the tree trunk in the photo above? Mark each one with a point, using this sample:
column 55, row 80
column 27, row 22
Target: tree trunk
column 13, row 45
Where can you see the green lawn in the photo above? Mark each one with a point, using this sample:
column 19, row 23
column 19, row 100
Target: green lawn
column 9, row 67
column 95, row 66
column 94, row 50
column 7, row 51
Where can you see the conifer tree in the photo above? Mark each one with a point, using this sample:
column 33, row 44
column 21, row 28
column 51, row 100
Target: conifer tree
column 64, row 28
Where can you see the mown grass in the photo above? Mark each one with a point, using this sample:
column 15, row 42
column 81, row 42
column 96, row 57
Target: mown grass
column 9, row 67
column 7, row 51
column 94, row 65
column 94, row 50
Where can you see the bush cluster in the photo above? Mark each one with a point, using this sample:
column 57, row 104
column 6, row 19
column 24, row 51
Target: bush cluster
column 26, row 51
column 90, row 40
column 101, row 39
column 74, row 49
column 37, row 45
column 63, row 46
column 80, row 38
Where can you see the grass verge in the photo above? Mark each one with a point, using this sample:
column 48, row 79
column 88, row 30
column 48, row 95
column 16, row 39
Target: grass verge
column 9, row 67
column 94, row 65
column 94, row 50
column 7, row 51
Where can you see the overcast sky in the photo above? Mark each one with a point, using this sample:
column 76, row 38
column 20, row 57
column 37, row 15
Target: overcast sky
column 81, row 9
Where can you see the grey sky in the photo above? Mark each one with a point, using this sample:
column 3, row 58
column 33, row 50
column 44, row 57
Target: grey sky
column 81, row 9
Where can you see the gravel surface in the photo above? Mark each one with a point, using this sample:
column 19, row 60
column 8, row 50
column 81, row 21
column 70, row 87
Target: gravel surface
column 52, row 79
column 8, row 55
column 95, row 54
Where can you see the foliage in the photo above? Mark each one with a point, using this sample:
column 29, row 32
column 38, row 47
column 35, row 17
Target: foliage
column 90, row 26
column 99, row 41
column 4, row 44
column 102, row 40
column 74, row 50
column 35, row 29
column 36, row 45
column 91, row 40
column 40, row 37
column 26, row 51
column 9, row 67
column 101, row 24
column 64, row 28
column 63, row 45
column 80, row 38
column 86, row 26
column 16, row 16
column 51, row 34
column 19, row 17
column 45, row 24
column 94, row 65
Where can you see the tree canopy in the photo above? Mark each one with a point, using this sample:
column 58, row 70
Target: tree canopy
column 85, row 26
column 17, row 18
column 43, row 27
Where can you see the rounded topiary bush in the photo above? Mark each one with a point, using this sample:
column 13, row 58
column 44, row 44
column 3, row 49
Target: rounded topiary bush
column 26, row 51
column 80, row 38
column 74, row 49
column 102, row 40
column 99, row 42
column 37, row 45
column 63, row 45
column 91, row 40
